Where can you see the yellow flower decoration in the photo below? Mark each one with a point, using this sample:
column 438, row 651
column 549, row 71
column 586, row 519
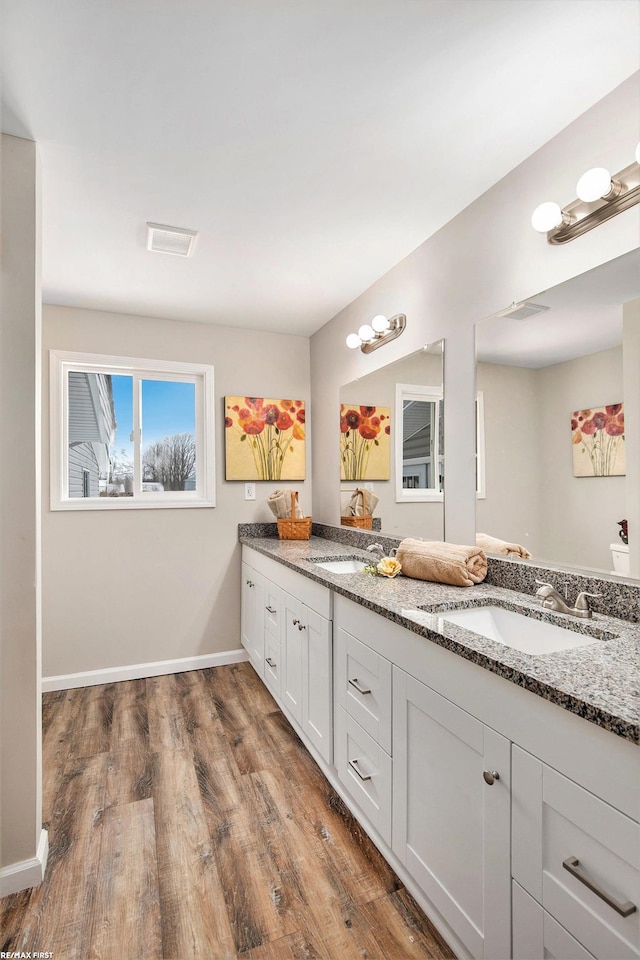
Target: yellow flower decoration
column 389, row 567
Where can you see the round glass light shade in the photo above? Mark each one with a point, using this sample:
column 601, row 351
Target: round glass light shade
column 593, row 184
column 380, row 323
column 366, row 333
column 546, row 217
column 353, row 341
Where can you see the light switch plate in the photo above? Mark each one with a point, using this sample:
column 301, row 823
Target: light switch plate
column 249, row 491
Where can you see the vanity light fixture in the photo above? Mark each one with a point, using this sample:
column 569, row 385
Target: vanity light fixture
column 600, row 197
column 381, row 330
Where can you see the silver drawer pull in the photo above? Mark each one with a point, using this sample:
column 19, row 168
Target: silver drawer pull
column 270, row 662
column 572, row 864
column 270, row 609
column 354, row 766
column 301, row 626
column 362, row 690
column 490, row 776
column 249, row 583
column 296, row 623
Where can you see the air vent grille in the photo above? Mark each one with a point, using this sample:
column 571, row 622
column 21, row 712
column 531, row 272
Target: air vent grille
column 523, row 310
column 174, row 240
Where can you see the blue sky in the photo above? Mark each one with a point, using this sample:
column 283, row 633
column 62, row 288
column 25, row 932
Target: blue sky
column 168, row 407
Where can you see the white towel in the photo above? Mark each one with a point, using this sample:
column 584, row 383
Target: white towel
column 280, row 504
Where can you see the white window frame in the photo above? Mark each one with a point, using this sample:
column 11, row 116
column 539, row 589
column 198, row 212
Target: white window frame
column 411, row 391
column 201, row 375
column 481, row 470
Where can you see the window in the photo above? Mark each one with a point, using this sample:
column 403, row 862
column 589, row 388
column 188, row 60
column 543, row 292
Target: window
column 419, row 443
column 129, row 433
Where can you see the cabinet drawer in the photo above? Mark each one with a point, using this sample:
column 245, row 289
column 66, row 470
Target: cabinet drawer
column 272, row 609
column 579, row 857
column 365, row 770
column 537, row 935
column 272, row 662
column 364, row 687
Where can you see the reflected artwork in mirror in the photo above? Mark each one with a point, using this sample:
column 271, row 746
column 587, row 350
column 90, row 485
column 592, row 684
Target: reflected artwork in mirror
column 410, row 394
column 577, row 353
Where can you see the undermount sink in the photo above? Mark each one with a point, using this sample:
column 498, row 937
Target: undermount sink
column 348, row 565
column 517, row 630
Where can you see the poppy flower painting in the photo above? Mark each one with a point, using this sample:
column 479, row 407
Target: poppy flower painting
column 264, row 438
column 597, row 435
column 365, row 442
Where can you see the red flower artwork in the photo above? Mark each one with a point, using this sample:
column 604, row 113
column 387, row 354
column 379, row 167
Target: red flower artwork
column 269, row 429
column 598, row 435
column 360, row 428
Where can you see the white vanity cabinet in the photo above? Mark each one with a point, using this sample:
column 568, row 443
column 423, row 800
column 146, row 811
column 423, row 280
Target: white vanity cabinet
column 451, row 812
column 252, row 616
column 287, row 632
column 578, row 857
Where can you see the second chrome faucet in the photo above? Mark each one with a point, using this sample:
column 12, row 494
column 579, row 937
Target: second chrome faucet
column 551, row 600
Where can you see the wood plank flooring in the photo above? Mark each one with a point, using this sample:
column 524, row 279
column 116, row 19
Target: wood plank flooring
column 186, row 820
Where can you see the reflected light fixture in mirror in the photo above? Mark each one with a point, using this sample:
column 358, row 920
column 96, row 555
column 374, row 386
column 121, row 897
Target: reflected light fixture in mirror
column 600, row 197
column 381, row 330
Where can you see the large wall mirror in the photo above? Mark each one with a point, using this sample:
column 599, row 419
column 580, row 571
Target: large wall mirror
column 555, row 419
column 405, row 470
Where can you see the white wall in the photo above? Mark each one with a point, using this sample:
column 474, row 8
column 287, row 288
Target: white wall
column 578, row 515
column 631, row 348
column 20, row 719
column 533, row 497
column 137, row 586
column 511, row 509
column 484, row 259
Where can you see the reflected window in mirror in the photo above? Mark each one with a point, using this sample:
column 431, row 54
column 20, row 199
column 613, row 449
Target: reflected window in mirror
column 419, row 432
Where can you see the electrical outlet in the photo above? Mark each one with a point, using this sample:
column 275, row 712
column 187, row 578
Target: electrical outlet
column 249, row 491
column 368, row 485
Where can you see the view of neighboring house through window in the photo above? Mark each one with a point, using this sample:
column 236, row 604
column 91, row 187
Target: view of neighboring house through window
column 419, row 442
column 142, row 436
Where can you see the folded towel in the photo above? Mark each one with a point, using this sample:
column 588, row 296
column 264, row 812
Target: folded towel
column 361, row 504
column 280, row 504
column 494, row 545
column 440, row 562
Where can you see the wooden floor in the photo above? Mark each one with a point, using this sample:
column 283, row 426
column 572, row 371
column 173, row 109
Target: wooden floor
column 186, row 820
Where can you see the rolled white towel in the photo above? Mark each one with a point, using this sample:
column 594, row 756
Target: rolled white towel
column 495, row 545
column 279, row 503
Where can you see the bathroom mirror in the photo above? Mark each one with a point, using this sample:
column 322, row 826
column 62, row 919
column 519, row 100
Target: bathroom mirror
column 408, row 476
column 555, row 421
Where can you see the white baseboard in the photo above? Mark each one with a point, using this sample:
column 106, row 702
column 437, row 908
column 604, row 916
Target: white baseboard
column 138, row 671
column 26, row 873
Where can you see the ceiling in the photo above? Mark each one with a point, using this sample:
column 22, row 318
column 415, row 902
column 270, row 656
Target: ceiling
column 310, row 142
column 584, row 316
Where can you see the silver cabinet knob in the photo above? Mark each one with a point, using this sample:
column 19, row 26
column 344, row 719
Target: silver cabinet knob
column 490, row 776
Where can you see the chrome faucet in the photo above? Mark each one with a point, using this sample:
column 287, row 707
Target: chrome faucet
column 378, row 547
column 551, row 600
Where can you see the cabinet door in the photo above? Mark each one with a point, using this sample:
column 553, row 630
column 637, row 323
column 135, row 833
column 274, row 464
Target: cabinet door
column 272, row 612
column 536, row 935
column 293, row 637
column 252, row 624
column 317, row 671
column 451, row 827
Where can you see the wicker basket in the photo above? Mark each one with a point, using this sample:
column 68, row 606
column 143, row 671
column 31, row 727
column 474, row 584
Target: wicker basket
column 294, row 528
column 363, row 523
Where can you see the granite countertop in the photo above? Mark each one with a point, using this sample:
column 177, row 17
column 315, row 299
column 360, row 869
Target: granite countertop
column 598, row 681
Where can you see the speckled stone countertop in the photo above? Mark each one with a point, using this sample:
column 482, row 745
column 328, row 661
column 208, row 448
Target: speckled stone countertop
column 598, row 681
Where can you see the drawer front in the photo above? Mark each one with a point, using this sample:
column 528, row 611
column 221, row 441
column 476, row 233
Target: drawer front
column 579, row 856
column 364, row 679
column 364, row 769
column 272, row 662
column 536, row 934
column 272, row 609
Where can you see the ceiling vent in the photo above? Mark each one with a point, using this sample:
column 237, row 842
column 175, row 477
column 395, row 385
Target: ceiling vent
column 175, row 240
column 522, row 311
